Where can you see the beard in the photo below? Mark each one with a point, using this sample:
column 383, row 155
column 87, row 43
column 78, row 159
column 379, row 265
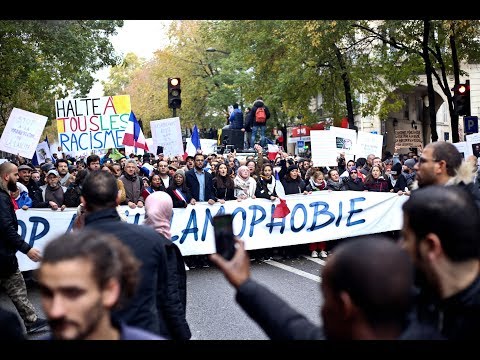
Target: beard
column 11, row 185
column 420, row 280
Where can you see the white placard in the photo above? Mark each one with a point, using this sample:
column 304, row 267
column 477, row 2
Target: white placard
column 345, row 141
column 462, row 148
column 167, row 133
column 368, row 143
column 324, row 152
column 473, row 145
column 22, row 133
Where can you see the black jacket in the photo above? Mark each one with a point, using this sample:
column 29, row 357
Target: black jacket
column 293, row 186
column 282, row 322
column 177, row 202
column 222, row 192
column 457, row 317
column 36, row 195
column 401, row 183
column 262, row 190
column 153, row 307
column 177, row 292
column 10, row 240
column 354, row 186
column 251, row 114
column 194, row 185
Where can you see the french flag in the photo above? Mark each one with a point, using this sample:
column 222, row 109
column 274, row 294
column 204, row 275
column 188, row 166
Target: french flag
column 193, row 144
column 134, row 134
column 272, row 151
column 281, row 210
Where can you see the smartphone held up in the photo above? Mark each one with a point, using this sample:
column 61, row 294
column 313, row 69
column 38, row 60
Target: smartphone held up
column 224, row 239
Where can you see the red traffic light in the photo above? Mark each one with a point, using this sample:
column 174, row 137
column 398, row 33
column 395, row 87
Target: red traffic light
column 174, row 81
column 462, row 89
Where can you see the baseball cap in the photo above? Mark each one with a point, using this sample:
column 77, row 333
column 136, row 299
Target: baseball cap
column 54, row 172
column 396, row 169
column 353, row 169
column 24, row 167
column 410, row 163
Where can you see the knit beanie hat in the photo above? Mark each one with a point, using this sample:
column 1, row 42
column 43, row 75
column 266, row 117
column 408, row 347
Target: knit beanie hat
column 410, row 163
column 181, row 172
column 292, row 167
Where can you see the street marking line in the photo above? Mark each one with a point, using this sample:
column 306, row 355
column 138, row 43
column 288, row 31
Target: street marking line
column 318, row 261
column 294, row 270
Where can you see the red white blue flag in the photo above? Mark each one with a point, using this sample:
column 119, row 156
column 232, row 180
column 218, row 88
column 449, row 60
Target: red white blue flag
column 134, row 134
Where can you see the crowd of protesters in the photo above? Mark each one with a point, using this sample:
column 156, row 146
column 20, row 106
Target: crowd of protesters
column 213, row 178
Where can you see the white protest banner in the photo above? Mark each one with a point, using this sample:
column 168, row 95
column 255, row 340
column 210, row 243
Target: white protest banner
column 324, row 151
column 22, row 132
column 368, row 143
column 322, row 215
column 462, row 148
column 345, row 140
column 167, row 133
column 92, row 123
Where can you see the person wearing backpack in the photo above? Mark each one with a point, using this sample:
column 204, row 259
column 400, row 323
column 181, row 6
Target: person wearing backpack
column 235, row 121
column 259, row 116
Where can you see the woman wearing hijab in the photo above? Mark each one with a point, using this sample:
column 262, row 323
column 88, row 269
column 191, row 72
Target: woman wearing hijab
column 158, row 214
column 245, row 185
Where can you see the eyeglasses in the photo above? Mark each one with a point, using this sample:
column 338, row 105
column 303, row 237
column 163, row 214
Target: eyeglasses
column 423, row 160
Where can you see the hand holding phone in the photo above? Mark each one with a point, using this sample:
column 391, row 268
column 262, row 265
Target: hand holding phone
column 224, row 239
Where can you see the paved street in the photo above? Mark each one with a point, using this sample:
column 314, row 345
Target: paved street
column 212, row 311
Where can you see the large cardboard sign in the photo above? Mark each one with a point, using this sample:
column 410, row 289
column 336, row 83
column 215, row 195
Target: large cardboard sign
column 92, row 123
column 408, row 139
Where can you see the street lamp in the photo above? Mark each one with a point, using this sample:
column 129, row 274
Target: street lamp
column 210, row 49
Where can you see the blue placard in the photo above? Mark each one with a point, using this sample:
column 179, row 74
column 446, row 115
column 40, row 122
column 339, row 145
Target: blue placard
column 300, row 144
column 470, row 124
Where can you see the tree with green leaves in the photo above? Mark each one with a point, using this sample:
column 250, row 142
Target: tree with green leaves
column 44, row 60
column 442, row 45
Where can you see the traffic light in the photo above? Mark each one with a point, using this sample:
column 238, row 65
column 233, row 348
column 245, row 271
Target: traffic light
column 461, row 99
column 174, row 93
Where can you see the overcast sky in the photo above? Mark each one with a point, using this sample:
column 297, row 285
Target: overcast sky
column 141, row 37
